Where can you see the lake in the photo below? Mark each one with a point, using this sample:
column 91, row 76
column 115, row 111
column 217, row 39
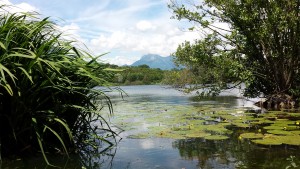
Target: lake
column 162, row 128
column 151, row 151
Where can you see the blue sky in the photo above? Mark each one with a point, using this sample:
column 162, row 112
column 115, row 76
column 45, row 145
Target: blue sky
column 127, row 29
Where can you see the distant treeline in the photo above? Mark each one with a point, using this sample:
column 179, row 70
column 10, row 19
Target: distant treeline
column 144, row 75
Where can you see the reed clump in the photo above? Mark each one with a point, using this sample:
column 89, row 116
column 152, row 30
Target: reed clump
column 48, row 99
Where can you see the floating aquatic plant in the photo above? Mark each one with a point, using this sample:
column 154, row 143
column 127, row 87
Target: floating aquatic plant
column 139, row 136
column 268, row 141
column 279, row 140
column 216, row 137
column 251, row 135
column 198, row 135
column 280, row 132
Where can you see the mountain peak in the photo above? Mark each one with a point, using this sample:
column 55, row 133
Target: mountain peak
column 156, row 61
column 150, row 57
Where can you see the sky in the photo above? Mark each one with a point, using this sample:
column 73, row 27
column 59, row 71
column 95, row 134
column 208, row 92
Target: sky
column 124, row 29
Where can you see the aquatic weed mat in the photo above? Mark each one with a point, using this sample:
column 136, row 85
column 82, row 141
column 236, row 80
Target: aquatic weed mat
column 153, row 119
column 146, row 120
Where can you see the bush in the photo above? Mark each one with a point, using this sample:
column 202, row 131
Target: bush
column 47, row 94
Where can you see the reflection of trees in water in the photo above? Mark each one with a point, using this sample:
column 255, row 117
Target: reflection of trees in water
column 233, row 153
column 209, row 154
column 219, row 101
column 97, row 160
column 88, row 157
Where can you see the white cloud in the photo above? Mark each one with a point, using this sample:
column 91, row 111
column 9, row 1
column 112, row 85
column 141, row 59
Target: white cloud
column 163, row 41
column 145, row 25
column 123, row 28
column 24, row 7
column 70, row 31
column 121, row 60
column 5, row 2
column 17, row 8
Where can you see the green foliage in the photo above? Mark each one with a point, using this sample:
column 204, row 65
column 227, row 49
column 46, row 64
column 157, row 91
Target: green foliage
column 140, row 75
column 179, row 78
column 260, row 47
column 47, row 95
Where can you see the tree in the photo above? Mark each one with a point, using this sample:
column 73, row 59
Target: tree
column 259, row 47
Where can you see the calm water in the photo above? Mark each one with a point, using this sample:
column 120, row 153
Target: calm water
column 165, row 153
column 189, row 153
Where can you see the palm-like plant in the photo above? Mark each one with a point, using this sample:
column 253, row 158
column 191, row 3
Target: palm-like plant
column 47, row 95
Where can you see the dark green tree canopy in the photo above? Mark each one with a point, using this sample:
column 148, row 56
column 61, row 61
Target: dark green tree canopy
column 259, row 46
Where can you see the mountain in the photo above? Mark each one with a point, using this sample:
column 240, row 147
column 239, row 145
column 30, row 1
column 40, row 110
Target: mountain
column 156, row 61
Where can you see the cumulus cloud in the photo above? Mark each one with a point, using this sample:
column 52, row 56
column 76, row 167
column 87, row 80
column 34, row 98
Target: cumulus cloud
column 129, row 28
column 145, row 25
column 163, row 41
column 70, row 31
column 17, row 8
column 121, row 60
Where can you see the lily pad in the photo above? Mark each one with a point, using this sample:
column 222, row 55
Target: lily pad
column 280, row 132
column 272, row 127
column 283, row 122
column 216, row 137
column 198, row 135
column 297, row 132
column 217, row 129
column 291, row 140
column 241, row 125
column 252, row 135
column 268, row 141
column 278, row 140
column 170, row 135
column 139, row 136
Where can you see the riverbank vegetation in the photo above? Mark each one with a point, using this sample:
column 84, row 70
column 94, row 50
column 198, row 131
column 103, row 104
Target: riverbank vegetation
column 137, row 75
column 253, row 42
column 144, row 75
column 48, row 103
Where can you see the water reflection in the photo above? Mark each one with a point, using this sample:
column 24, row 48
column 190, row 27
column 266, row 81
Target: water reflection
column 233, row 153
column 84, row 160
column 189, row 153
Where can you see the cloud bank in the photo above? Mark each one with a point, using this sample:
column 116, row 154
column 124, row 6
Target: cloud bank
column 126, row 29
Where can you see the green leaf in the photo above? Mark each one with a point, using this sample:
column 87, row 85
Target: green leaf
column 65, row 126
column 58, row 137
column 26, row 73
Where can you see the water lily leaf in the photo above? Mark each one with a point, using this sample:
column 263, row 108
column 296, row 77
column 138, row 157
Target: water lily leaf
column 273, row 127
column 216, row 137
column 280, row 132
column 170, row 135
column 241, row 125
column 217, row 129
column 291, row 140
column 252, row 135
column 267, row 141
column 297, row 132
column 198, row 135
column 139, row 136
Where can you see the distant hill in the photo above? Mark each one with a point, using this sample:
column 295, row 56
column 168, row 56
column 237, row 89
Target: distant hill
column 156, row 61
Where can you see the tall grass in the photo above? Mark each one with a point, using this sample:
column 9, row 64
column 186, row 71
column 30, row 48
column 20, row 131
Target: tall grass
column 47, row 95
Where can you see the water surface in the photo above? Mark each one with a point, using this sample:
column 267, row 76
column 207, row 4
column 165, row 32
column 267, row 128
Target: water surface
column 190, row 153
column 142, row 110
